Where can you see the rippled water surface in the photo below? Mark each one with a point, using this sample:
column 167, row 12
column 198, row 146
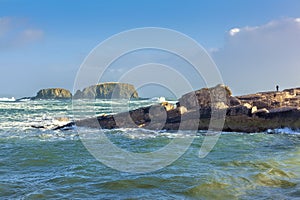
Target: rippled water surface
column 42, row 163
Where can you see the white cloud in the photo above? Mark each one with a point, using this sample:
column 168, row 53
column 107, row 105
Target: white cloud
column 234, row 31
column 259, row 57
column 15, row 33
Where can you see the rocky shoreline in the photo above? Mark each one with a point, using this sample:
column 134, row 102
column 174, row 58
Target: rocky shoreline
column 207, row 108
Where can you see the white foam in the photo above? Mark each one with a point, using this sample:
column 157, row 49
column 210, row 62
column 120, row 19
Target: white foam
column 24, row 100
column 285, row 130
column 158, row 99
column 7, row 99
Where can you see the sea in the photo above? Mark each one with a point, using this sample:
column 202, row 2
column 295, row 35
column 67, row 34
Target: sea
column 38, row 161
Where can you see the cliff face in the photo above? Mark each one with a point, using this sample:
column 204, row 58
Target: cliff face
column 107, row 91
column 53, row 93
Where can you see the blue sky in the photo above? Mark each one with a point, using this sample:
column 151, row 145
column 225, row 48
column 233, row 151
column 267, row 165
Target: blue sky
column 43, row 43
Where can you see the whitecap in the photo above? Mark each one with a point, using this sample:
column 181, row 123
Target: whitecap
column 7, row 99
column 285, row 130
column 158, row 99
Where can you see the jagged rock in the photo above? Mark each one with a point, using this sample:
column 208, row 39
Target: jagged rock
column 53, row 93
column 239, row 110
column 204, row 97
column 260, row 112
column 167, row 106
column 249, row 106
column 253, row 109
column 182, row 110
column 233, row 101
column 107, row 91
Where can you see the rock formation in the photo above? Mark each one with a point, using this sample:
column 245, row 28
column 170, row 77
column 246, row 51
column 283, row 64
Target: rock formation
column 107, row 91
column 53, row 93
column 196, row 110
column 270, row 100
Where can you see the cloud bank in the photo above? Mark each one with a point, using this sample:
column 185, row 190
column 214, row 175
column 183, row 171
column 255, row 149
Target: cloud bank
column 257, row 58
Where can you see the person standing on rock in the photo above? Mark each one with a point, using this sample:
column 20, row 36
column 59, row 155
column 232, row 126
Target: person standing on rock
column 277, row 88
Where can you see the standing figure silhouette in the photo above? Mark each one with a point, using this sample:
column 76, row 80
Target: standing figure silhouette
column 277, row 88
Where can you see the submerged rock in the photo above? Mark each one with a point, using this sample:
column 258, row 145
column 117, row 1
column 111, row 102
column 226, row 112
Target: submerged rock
column 107, row 91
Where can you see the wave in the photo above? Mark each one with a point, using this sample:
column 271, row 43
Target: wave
column 158, row 99
column 7, row 99
column 285, row 130
column 24, row 99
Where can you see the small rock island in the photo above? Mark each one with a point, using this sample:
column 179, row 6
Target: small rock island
column 53, row 93
column 248, row 113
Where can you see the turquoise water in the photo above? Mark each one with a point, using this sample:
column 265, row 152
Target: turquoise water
column 47, row 164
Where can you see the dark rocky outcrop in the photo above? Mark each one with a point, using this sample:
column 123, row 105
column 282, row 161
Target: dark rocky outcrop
column 53, row 93
column 107, row 91
column 196, row 110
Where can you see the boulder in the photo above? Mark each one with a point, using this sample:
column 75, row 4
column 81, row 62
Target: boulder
column 219, row 106
column 240, row 110
column 206, row 97
column 167, row 105
column 260, row 112
column 53, row 93
column 253, row 109
column 182, row 110
column 260, row 104
column 109, row 90
column 233, row 101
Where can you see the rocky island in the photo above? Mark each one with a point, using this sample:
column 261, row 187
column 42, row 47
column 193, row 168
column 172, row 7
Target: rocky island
column 248, row 113
column 53, row 93
column 110, row 90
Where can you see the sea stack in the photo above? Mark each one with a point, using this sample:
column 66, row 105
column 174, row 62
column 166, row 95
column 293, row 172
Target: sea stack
column 53, row 93
column 110, row 90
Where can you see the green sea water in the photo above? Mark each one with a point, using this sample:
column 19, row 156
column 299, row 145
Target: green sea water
column 46, row 164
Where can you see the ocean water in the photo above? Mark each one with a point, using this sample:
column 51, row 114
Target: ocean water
column 41, row 163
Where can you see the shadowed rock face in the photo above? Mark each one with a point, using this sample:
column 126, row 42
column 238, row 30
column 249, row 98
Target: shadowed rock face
column 196, row 110
column 107, row 91
column 53, row 93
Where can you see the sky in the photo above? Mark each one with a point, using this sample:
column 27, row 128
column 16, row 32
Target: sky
column 255, row 44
